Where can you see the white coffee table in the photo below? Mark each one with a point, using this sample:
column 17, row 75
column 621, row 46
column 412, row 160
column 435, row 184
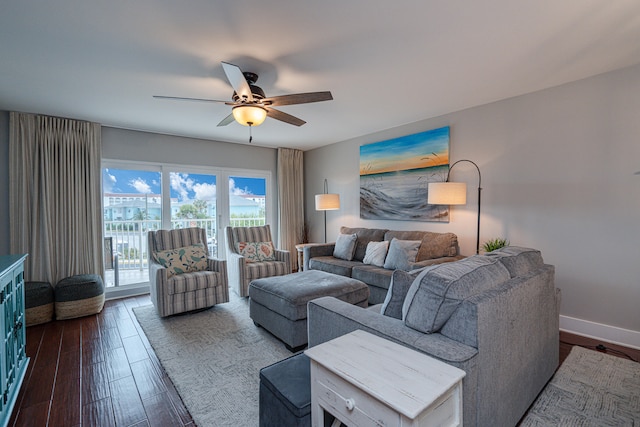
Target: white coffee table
column 365, row 380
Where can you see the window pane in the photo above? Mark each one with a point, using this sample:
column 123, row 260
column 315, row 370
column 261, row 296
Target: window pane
column 132, row 202
column 193, row 204
column 247, row 201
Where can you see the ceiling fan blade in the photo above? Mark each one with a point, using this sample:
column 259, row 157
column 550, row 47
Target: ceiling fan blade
column 237, row 80
column 179, row 98
column 226, row 120
column 298, row 98
column 284, row 117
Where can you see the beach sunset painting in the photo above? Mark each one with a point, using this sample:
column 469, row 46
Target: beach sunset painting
column 394, row 176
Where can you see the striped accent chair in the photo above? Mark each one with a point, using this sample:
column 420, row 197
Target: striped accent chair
column 173, row 292
column 243, row 270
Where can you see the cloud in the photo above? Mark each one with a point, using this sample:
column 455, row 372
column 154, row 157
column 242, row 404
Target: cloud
column 181, row 184
column 237, row 191
column 140, row 185
column 109, row 181
column 205, row 191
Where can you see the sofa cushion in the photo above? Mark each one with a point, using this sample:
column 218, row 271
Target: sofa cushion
column 400, row 283
column 437, row 245
column 256, row 251
column 436, row 293
column 402, row 253
column 365, row 235
column 183, row 260
column 331, row 264
column 345, row 246
column 519, row 261
column 376, row 253
column 372, row 275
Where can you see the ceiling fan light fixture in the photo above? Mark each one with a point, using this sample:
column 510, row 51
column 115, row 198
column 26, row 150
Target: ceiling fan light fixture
column 249, row 115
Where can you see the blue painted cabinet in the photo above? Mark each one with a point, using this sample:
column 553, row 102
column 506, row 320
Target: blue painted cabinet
column 14, row 360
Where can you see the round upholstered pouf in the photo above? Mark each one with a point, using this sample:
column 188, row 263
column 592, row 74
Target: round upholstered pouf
column 78, row 296
column 38, row 302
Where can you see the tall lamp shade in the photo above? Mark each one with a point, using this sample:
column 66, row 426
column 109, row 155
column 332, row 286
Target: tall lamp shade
column 454, row 193
column 447, row 193
column 327, row 202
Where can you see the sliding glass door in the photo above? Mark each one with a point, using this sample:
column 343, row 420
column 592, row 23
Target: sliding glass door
column 138, row 197
column 132, row 202
column 247, row 201
column 193, row 204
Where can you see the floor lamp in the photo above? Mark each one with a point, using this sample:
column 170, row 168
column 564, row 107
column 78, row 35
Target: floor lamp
column 327, row 202
column 454, row 193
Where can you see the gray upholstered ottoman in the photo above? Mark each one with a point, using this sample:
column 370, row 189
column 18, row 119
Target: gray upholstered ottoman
column 285, row 393
column 78, row 296
column 279, row 304
column 38, row 302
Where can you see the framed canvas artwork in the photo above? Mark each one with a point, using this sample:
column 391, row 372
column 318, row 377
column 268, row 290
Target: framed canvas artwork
column 394, row 176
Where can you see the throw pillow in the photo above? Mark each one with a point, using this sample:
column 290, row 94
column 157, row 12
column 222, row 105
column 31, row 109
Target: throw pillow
column 257, row 251
column 436, row 293
column 402, row 253
column 345, row 246
column 183, row 260
column 398, row 287
column 376, row 253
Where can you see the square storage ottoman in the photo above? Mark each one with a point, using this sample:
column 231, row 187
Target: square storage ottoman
column 279, row 304
column 285, row 393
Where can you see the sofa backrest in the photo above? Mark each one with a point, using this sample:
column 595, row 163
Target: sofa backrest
column 434, row 245
column 524, row 266
column 365, row 235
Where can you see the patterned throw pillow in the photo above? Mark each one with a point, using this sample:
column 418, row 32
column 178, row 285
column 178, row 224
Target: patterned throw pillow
column 257, row 251
column 183, row 260
column 376, row 253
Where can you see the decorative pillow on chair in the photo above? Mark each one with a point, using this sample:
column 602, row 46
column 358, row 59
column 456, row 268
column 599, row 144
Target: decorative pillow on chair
column 402, row 253
column 376, row 253
column 257, row 251
column 183, row 260
column 345, row 246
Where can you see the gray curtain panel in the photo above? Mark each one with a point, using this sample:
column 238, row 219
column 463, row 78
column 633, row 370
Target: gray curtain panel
column 56, row 204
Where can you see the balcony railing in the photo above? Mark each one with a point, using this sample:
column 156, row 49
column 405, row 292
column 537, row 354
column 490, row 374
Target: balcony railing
column 130, row 248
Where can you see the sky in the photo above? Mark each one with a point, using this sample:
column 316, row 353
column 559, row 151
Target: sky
column 184, row 186
column 420, row 150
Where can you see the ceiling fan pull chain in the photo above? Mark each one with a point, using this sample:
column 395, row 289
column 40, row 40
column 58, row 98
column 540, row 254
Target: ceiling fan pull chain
column 250, row 135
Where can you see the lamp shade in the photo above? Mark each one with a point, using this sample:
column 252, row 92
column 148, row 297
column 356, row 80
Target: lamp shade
column 327, row 202
column 249, row 115
column 447, row 193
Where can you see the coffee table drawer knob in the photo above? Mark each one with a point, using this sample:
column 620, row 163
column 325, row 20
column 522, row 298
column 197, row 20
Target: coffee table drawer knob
column 350, row 404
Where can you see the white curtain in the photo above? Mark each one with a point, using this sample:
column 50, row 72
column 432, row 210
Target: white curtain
column 55, row 213
column 291, row 201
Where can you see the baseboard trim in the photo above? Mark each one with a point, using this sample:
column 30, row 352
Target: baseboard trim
column 126, row 291
column 598, row 331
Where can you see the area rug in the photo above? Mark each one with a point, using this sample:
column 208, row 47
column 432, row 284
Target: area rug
column 213, row 358
column 589, row 389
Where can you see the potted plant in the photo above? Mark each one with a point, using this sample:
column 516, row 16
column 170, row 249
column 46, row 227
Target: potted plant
column 493, row 244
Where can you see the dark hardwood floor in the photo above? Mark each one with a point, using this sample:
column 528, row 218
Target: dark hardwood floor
column 101, row 371
column 96, row 371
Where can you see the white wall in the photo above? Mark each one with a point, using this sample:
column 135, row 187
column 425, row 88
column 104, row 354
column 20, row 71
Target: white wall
column 557, row 174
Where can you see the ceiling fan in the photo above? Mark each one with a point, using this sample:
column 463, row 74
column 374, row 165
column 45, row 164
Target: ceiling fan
column 250, row 104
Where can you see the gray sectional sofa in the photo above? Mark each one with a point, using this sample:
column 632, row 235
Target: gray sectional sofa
column 495, row 316
column 435, row 248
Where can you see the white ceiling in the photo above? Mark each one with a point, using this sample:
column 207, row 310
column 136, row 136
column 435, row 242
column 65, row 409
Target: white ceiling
column 387, row 63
